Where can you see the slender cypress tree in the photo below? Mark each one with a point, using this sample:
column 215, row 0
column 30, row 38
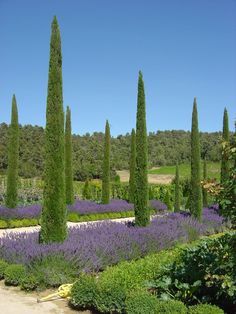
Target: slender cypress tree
column 68, row 160
column 225, row 165
column 204, row 191
column 53, row 219
column 177, row 190
column 167, row 200
column 13, row 156
column 142, row 214
column 132, row 165
column 106, row 167
column 196, row 190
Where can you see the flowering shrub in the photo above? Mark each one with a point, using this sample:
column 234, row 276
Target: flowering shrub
column 92, row 247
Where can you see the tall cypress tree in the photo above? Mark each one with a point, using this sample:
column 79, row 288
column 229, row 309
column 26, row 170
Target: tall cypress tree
column 13, row 156
column 177, row 190
column 204, row 191
column 53, row 219
column 196, row 190
column 68, row 160
column 142, row 214
column 225, row 165
column 132, row 165
column 106, row 166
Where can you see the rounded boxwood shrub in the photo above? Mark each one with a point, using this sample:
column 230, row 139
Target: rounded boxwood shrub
column 29, row 283
column 3, row 266
column 14, row 274
column 171, row 307
column 141, row 302
column 83, row 292
column 205, row 309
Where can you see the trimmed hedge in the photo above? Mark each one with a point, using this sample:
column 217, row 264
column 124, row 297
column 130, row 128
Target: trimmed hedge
column 14, row 274
column 141, row 302
column 171, row 307
column 205, row 309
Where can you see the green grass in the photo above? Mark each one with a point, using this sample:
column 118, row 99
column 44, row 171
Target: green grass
column 184, row 170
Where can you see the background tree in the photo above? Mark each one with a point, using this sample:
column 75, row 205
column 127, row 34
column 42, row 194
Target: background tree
column 13, row 155
column 53, row 220
column 177, row 190
column 86, row 190
column 204, row 191
column 196, row 190
column 142, row 214
column 225, row 165
column 132, row 166
column 106, row 166
column 167, row 200
column 68, row 160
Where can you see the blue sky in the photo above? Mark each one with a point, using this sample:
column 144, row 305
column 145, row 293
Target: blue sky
column 184, row 48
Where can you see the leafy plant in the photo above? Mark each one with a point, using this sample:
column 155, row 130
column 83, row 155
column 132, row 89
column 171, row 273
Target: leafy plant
column 140, row 302
column 3, row 266
column 205, row 309
column 14, row 274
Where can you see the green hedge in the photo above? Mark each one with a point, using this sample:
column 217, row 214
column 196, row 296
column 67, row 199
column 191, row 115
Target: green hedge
column 205, row 309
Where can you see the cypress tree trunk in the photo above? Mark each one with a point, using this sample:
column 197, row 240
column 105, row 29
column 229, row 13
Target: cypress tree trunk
column 106, row 167
column 177, row 190
column 13, row 156
column 53, row 219
column 141, row 210
column 204, row 191
column 225, row 165
column 68, row 160
column 196, row 190
column 132, row 167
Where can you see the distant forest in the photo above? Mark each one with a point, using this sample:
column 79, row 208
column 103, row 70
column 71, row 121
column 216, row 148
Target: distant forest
column 165, row 148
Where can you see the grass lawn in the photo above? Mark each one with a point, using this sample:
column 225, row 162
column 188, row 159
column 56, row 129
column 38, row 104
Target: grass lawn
column 184, row 170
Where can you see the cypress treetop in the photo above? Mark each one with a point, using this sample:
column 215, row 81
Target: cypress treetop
column 204, row 191
column 68, row 159
column 53, row 219
column 13, row 156
column 132, row 166
column 196, row 190
column 106, row 166
column 225, row 165
column 142, row 214
column 177, row 190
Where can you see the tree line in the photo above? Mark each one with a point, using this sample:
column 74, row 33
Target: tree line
column 164, row 148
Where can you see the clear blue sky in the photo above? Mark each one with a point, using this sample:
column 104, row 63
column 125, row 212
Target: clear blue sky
column 185, row 48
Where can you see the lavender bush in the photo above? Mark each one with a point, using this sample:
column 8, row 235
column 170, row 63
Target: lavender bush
column 94, row 246
column 81, row 207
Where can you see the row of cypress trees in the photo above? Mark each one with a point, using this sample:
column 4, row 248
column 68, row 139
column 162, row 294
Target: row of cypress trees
column 58, row 175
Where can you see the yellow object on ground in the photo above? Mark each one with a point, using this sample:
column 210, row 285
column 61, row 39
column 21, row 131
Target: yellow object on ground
column 62, row 292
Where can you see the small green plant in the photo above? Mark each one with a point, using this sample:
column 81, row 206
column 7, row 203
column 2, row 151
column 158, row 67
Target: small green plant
column 83, row 292
column 205, row 309
column 141, row 302
column 14, row 274
column 171, row 307
column 29, row 283
column 3, row 266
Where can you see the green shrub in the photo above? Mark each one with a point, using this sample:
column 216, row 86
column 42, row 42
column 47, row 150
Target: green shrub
column 3, row 266
column 3, row 224
column 83, row 292
column 141, row 302
column 171, row 307
column 53, row 271
column 205, row 309
column 29, row 283
column 14, row 274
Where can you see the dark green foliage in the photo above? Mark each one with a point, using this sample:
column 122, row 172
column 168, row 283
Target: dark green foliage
column 86, row 191
column 13, row 274
column 204, row 191
column 53, row 220
column 204, row 273
column 141, row 302
column 196, row 190
column 68, row 160
column 3, row 266
column 13, row 156
column 132, row 166
column 52, row 271
column 225, row 166
column 117, row 178
column 177, row 190
column 167, row 200
column 205, row 309
column 142, row 215
column 106, row 166
column 171, row 307
column 83, row 292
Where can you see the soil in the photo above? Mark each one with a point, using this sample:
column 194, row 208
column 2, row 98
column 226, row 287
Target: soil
column 152, row 178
